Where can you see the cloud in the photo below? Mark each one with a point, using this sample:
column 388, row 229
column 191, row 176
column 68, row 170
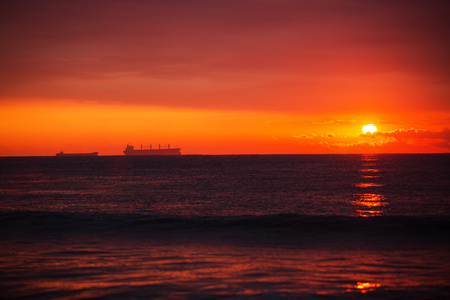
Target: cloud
column 439, row 139
column 412, row 133
column 317, row 138
column 353, row 121
column 303, row 136
column 399, row 140
column 389, row 122
column 336, row 122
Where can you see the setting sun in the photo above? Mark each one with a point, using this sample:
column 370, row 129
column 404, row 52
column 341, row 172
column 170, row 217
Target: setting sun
column 369, row 128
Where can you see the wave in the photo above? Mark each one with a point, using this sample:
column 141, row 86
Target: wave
column 277, row 229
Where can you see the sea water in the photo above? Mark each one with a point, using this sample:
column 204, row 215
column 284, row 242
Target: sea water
column 225, row 227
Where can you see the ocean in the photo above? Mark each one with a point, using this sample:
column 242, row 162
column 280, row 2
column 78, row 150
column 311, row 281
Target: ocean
column 225, row 227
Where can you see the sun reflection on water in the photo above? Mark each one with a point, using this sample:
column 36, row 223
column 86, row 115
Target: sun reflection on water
column 368, row 199
column 365, row 287
column 367, row 184
column 370, row 204
column 370, row 176
column 369, row 170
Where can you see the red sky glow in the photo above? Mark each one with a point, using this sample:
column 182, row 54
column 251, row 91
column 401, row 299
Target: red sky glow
column 224, row 77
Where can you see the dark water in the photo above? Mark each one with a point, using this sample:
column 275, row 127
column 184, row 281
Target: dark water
column 225, row 227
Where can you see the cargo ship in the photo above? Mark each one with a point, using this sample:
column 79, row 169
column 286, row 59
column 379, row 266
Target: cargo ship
column 129, row 150
column 77, row 154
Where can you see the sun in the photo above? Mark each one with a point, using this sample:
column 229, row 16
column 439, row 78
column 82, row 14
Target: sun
column 369, row 128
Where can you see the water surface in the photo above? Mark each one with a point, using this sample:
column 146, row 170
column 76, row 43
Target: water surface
column 250, row 226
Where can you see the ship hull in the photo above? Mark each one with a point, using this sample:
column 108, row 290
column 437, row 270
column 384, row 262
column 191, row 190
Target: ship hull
column 77, row 154
column 146, row 152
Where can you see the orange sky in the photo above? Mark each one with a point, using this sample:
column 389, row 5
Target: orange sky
column 224, row 77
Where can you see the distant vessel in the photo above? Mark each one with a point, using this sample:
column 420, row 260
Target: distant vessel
column 129, row 150
column 77, row 154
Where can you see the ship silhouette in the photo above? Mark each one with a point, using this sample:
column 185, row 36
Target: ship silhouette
column 129, row 150
column 76, row 154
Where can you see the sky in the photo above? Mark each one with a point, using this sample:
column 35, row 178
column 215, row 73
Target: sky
column 224, row 77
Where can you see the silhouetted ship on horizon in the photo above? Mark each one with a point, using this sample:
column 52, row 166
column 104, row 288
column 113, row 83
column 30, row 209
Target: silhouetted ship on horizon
column 77, row 154
column 129, row 150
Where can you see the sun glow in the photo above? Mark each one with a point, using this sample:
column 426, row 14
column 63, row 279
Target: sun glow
column 369, row 128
